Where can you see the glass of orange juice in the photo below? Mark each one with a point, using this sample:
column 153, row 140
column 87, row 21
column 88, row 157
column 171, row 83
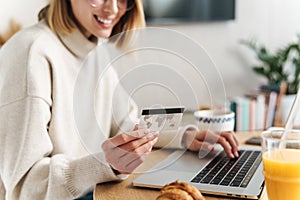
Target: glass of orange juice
column 281, row 161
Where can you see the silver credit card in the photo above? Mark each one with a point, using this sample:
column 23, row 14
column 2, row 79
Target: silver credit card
column 161, row 119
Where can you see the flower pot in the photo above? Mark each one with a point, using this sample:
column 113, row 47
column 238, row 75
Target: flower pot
column 285, row 107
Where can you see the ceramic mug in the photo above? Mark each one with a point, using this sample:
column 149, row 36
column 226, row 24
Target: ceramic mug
column 216, row 120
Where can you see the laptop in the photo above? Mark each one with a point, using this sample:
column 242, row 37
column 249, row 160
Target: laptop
column 214, row 174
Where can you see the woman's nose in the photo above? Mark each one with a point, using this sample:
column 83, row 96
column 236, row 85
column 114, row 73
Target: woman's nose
column 111, row 6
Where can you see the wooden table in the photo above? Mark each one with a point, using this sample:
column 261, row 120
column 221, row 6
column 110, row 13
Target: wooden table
column 125, row 190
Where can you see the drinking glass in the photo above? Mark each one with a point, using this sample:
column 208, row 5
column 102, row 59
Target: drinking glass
column 281, row 161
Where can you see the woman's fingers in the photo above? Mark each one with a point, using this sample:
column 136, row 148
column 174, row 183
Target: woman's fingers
column 234, row 145
column 126, row 151
column 129, row 160
column 206, row 139
column 198, row 145
column 124, row 138
column 136, row 127
column 132, row 146
column 226, row 145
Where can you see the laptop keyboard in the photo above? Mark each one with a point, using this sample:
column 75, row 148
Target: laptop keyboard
column 230, row 172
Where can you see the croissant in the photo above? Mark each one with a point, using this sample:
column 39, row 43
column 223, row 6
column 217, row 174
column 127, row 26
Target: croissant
column 179, row 191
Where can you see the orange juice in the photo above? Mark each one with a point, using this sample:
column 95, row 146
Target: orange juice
column 282, row 174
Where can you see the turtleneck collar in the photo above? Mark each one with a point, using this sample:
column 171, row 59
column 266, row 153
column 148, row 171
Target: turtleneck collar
column 78, row 44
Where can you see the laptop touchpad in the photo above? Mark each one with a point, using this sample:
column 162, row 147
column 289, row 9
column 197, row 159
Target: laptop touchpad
column 191, row 161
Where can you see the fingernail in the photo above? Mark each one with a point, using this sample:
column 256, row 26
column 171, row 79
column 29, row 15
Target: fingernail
column 210, row 147
column 153, row 141
column 149, row 150
column 236, row 154
column 150, row 135
column 155, row 134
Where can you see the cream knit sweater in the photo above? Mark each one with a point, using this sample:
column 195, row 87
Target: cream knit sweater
column 45, row 153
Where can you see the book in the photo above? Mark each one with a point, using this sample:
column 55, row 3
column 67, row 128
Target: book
column 241, row 113
column 233, row 109
column 252, row 114
column 270, row 115
column 260, row 112
column 255, row 110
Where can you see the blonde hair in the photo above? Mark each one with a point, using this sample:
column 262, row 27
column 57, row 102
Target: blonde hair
column 60, row 18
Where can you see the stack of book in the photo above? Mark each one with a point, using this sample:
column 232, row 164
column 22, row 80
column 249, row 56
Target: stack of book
column 255, row 111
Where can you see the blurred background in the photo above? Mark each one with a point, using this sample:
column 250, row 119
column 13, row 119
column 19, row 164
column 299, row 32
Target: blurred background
column 271, row 22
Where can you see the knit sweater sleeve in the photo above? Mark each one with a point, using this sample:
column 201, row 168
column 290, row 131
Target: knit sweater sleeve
column 28, row 170
column 30, row 166
column 173, row 139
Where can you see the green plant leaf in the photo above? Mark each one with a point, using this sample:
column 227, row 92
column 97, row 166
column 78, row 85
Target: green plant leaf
column 273, row 64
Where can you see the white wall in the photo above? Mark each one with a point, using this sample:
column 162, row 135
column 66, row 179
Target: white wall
column 272, row 22
column 22, row 11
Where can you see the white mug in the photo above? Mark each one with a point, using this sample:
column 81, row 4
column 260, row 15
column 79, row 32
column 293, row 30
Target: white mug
column 216, row 120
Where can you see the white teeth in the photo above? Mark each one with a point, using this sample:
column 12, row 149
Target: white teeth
column 105, row 21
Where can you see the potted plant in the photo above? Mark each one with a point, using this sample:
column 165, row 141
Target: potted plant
column 281, row 66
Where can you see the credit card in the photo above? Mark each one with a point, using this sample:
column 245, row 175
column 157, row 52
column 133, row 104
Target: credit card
column 161, row 119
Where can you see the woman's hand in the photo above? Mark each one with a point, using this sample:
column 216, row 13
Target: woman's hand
column 205, row 140
column 126, row 151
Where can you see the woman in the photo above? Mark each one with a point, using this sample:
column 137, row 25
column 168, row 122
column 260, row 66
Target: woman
column 41, row 154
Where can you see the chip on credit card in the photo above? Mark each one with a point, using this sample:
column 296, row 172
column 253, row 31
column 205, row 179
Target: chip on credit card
column 161, row 119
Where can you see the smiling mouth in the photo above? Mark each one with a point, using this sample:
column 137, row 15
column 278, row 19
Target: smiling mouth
column 103, row 21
